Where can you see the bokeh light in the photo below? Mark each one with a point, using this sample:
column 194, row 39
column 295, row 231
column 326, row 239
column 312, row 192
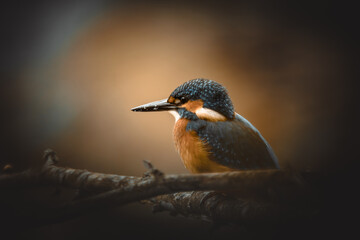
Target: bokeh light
column 99, row 61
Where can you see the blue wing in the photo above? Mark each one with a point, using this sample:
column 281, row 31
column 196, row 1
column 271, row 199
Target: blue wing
column 236, row 143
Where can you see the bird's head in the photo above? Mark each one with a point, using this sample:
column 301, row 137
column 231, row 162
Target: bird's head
column 197, row 98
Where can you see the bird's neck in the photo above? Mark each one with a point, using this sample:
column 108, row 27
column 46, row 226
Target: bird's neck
column 182, row 113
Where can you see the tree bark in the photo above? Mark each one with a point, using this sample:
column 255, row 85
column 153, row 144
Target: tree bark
column 222, row 197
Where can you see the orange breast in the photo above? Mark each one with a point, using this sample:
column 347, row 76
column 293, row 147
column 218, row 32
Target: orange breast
column 193, row 152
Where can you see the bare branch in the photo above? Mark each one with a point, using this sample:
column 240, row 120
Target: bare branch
column 154, row 185
column 221, row 208
column 49, row 173
column 244, row 182
column 269, row 187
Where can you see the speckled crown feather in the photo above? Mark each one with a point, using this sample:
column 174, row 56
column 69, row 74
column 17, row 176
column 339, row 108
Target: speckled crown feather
column 214, row 95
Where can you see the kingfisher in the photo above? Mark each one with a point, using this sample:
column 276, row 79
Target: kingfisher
column 209, row 135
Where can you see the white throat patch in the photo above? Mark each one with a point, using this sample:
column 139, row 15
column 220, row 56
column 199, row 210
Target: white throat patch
column 175, row 114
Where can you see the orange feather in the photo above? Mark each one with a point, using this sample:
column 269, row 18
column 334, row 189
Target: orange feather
column 193, row 151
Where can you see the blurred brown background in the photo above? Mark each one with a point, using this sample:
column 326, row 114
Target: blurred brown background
column 71, row 71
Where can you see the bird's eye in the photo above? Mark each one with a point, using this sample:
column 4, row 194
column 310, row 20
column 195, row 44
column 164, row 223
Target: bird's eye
column 183, row 100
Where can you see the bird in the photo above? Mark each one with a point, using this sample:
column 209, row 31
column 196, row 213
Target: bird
column 208, row 134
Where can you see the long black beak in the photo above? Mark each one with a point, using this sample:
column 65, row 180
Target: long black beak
column 161, row 105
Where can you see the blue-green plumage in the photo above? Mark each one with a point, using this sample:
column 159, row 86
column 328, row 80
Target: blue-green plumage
column 235, row 143
column 213, row 94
